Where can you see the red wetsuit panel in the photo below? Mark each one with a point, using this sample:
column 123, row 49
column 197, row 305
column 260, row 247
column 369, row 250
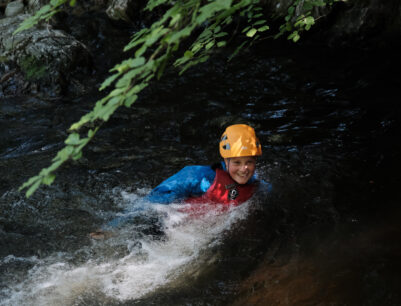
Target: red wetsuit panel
column 225, row 190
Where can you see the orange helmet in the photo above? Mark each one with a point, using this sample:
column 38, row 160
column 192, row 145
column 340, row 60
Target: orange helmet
column 239, row 140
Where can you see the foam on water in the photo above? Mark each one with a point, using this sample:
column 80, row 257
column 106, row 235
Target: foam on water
column 148, row 262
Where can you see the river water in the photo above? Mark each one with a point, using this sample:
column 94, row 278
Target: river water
column 328, row 234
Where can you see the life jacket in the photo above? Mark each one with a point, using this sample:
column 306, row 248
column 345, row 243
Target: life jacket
column 225, row 190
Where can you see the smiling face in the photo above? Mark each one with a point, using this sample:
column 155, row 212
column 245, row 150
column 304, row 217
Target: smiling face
column 241, row 169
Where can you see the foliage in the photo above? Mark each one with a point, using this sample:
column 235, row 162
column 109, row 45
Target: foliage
column 205, row 24
column 45, row 13
column 299, row 17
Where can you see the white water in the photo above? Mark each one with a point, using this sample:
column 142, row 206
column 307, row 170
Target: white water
column 144, row 265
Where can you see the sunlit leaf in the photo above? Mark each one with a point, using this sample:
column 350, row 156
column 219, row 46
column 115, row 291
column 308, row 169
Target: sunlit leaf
column 251, row 32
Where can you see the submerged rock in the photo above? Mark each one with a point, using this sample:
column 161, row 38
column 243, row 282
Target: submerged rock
column 47, row 57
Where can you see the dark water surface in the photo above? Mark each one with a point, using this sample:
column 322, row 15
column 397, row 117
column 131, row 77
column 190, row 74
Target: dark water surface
column 328, row 234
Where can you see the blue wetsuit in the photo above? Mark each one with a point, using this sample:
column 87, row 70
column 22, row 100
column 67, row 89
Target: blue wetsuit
column 191, row 181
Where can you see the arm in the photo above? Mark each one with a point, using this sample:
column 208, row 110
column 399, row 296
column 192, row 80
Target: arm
column 189, row 181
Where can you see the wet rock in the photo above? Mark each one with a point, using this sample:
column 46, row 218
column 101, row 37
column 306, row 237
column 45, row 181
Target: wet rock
column 118, row 10
column 14, row 8
column 126, row 10
column 46, row 56
column 34, row 5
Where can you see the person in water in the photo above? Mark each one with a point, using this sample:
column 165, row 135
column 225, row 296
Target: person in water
column 230, row 182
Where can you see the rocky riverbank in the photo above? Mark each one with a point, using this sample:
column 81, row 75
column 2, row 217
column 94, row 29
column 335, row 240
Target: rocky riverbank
column 63, row 56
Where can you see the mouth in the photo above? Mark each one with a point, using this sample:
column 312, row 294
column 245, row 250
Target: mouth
column 242, row 175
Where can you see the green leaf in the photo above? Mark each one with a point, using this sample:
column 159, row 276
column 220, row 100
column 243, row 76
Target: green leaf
column 84, row 119
column 109, row 80
column 134, row 42
column 208, row 10
column 107, row 111
column 77, row 156
column 130, row 100
column 221, row 34
column 251, row 32
column 73, row 139
column 154, row 3
column 259, row 22
column 33, row 188
column 318, row 3
column 310, row 20
column 28, row 182
column 91, row 133
column 188, row 54
column 116, row 92
column 221, row 44
column 209, row 45
column 217, row 29
column 307, row 6
column 140, row 51
column 48, row 179
column 237, row 50
column 264, row 28
column 65, row 153
column 246, row 29
column 176, row 37
column 55, row 165
column 204, row 58
column 294, row 36
column 115, row 100
column 196, row 47
column 136, row 62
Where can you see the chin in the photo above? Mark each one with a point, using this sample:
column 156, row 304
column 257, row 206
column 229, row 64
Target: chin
column 242, row 181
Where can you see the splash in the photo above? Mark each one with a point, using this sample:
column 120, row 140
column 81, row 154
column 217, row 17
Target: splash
column 157, row 246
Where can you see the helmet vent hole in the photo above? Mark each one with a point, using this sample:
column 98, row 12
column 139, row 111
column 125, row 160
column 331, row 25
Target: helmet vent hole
column 226, row 146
